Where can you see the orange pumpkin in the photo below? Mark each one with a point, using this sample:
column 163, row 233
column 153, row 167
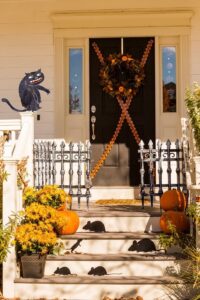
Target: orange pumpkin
column 176, row 218
column 72, row 222
column 173, row 200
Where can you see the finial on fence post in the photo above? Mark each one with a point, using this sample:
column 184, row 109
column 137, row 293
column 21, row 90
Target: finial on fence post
column 142, row 171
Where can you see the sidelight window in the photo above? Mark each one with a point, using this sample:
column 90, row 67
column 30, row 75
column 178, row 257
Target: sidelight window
column 169, row 90
column 75, row 80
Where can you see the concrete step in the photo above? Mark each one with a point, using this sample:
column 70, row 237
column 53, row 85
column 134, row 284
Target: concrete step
column 117, row 211
column 90, row 279
column 110, row 235
column 105, row 242
column 93, row 287
column 124, row 224
column 121, row 218
column 124, row 264
column 155, row 256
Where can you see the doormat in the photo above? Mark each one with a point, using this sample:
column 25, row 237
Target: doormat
column 121, row 202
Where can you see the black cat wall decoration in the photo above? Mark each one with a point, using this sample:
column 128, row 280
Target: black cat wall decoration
column 29, row 92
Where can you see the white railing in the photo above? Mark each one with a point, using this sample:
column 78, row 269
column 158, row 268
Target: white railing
column 20, row 135
column 10, row 129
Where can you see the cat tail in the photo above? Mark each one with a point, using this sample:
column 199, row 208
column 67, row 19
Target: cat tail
column 11, row 106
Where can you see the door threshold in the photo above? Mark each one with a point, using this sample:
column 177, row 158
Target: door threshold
column 114, row 192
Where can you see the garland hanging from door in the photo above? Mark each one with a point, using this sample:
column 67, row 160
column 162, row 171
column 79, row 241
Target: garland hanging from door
column 120, row 76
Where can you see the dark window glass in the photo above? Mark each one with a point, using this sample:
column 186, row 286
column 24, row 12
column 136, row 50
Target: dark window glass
column 75, row 80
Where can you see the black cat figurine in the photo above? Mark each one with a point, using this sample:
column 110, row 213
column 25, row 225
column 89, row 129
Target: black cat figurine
column 29, row 91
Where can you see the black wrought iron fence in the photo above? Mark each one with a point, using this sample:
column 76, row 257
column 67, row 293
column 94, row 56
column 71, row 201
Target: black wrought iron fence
column 64, row 164
column 163, row 167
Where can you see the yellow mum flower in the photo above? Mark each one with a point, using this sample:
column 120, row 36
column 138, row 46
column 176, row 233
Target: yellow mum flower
column 32, row 238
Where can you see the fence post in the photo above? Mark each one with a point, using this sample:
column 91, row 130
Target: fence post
column 24, row 144
column 27, row 119
column 9, row 206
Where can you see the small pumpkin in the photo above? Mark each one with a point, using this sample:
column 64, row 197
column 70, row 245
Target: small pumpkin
column 176, row 218
column 173, row 200
column 72, row 222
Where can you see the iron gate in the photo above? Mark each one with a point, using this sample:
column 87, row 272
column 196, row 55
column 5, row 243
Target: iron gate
column 163, row 167
column 64, row 164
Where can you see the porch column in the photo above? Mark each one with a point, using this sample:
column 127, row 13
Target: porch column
column 27, row 119
column 9, row 206
column 198, row 234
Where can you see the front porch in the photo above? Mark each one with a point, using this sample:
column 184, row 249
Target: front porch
column 136, row 273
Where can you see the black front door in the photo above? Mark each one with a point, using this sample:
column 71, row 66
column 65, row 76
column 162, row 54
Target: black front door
column 121, row 167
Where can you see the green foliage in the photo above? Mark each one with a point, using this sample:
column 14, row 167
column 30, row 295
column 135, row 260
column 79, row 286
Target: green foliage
column 192, row 271
column 193, row 211
column 174, row 238
column 22, row 173
column 193, row 108
column 181, row 239
column 188, row 272
column 6, row 234
column 168, row 240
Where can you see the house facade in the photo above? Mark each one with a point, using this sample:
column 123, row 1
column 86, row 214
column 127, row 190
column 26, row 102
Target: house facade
column 69, row 41
column 57, row 36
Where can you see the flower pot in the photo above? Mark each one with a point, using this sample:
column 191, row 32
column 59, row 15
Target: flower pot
column 33, row 265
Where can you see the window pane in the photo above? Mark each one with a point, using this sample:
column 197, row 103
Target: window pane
column 169, row 78
column 75, row 80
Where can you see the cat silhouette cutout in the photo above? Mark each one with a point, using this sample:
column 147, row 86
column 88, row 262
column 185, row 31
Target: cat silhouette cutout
column 29, row 92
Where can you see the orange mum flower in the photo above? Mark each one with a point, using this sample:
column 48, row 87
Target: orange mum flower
column 124, row 58
column 121, row 89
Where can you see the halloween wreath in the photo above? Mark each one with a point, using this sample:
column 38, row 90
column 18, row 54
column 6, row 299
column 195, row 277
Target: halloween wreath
column 121, row 75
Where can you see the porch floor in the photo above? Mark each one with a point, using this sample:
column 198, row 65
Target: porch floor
column 115, row 210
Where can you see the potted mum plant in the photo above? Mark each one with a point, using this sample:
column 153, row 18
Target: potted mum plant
column 36, row 236
column 52, row 195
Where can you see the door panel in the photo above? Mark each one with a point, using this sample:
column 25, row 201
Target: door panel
column 121, row 167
